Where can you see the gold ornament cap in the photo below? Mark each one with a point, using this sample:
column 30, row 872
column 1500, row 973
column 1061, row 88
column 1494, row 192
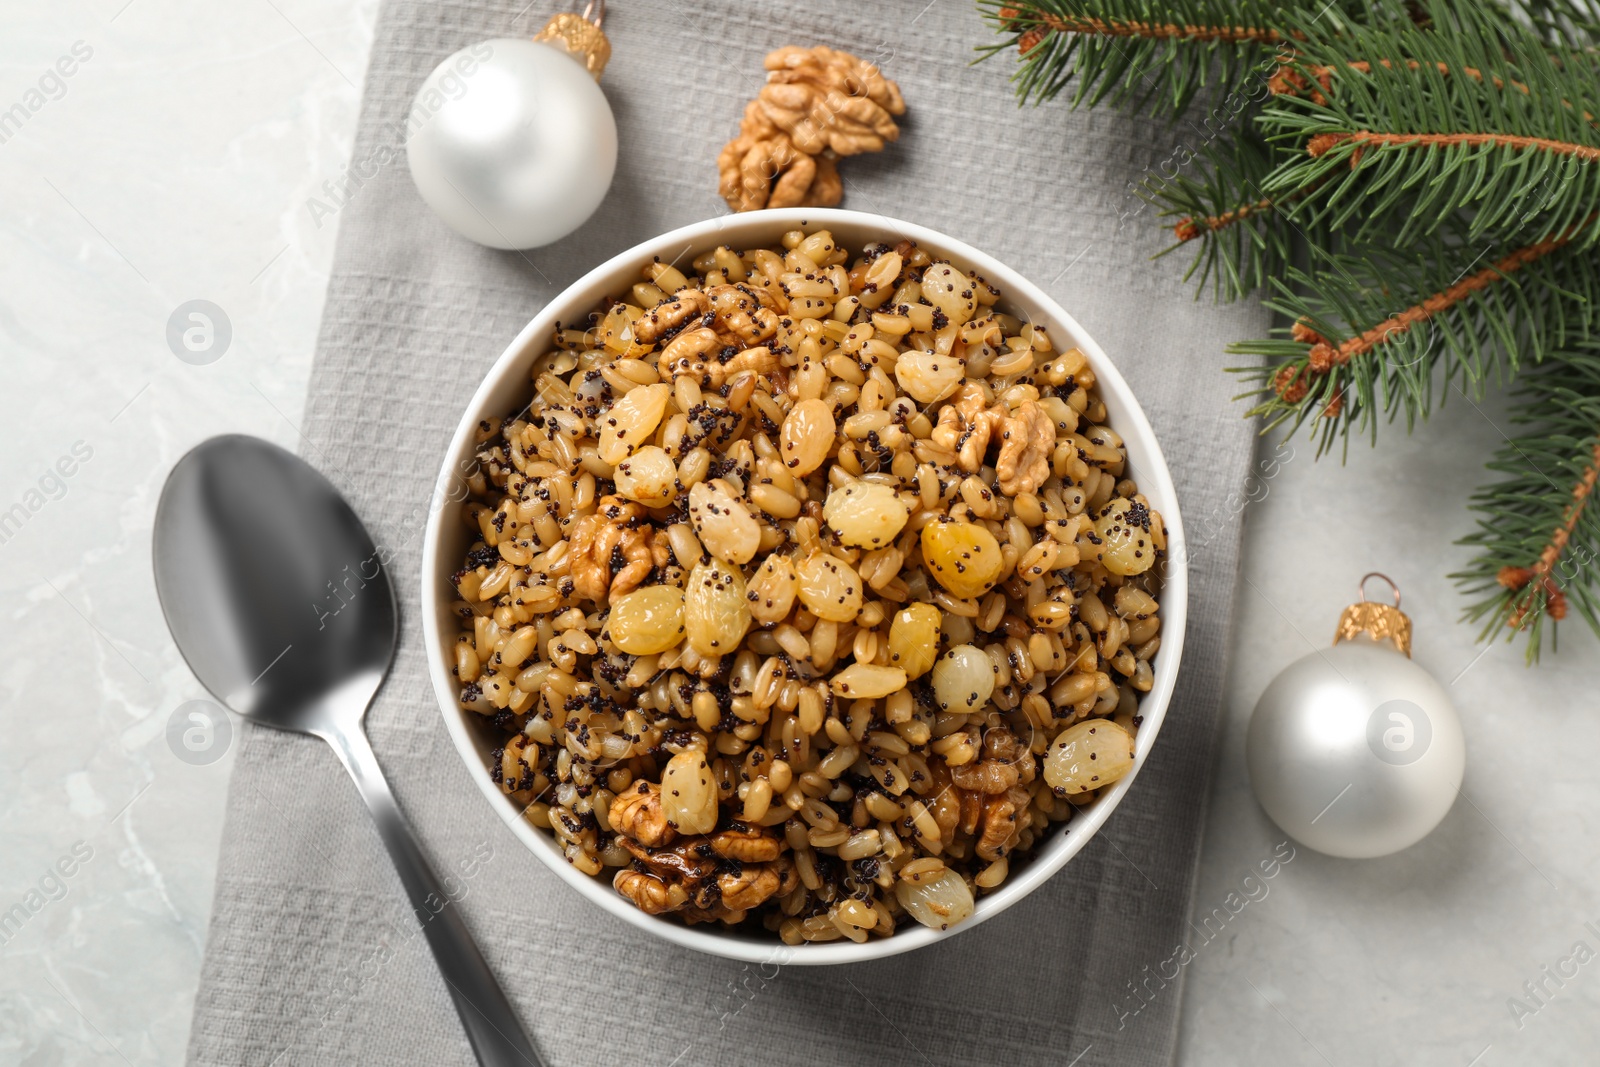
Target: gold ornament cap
column 581, row 36
column 1379, row 622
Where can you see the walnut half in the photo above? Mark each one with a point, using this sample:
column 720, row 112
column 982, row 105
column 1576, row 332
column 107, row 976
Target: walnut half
column 1027, row 437
column 648, row 893
column 1006, row 762
column 594, row 540
column 762, row 168
column 637, row 813
column 987, row 776
column 669, row 315
column 827, row 99
column 694, row 879
column 1004, row 818
column 691, row 858
column 749, row 888
column 745, row 844
column 967, row 424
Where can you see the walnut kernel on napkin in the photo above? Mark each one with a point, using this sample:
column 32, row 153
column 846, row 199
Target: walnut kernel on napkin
column 818, row 105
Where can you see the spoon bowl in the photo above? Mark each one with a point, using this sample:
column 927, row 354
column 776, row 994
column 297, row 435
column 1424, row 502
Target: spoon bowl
column 271, row 586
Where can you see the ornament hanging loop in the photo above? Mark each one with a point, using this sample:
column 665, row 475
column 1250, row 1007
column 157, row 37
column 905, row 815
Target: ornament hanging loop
column 1393, row 588
column 1375, row 621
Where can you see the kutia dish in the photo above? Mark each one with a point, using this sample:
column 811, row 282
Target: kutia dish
column 805, row 594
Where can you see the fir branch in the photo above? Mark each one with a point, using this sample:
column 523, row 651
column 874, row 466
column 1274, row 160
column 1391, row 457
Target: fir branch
column 1239, row 234
column 1404, row 146
column 1518, row 579
column 1196, row 226
column 1288, row 81
column 1321, row 356
column 1538, row 535
column 1350, row 357
column 1143, row 53
column 1134, row 28
column 1324, row 143
column 1189, row 228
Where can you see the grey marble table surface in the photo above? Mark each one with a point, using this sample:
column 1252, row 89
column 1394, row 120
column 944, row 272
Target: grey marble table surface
column 175, row 162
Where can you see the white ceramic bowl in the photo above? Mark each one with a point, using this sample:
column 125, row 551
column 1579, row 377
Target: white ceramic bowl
column 507, row 388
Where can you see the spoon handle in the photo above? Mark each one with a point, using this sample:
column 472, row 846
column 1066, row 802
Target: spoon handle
column 497, row 1037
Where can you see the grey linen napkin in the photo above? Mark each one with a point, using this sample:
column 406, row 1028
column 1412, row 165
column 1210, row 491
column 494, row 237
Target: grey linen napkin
column 311, row 959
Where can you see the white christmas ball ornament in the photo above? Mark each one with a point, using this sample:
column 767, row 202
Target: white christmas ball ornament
column 523, row 147
column 1355, row 751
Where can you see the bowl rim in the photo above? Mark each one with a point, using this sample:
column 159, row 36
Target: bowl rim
column 748, row 230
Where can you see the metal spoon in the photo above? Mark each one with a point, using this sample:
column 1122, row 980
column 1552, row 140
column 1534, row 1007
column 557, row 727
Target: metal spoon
column 276, row 597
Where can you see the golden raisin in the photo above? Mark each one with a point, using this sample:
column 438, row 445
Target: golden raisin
column 963, row 556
